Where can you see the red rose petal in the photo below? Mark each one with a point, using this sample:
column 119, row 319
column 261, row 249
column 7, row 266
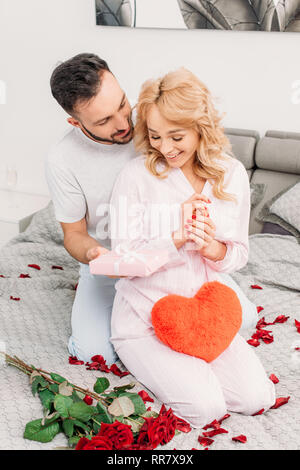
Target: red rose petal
column 253, row 342
column 281, row 319
column 98, row 363
column 274, row 379
column 259, row 412
column 14, row 298
column 214, row 432
column 259, row 309
column 57, row 267
column 280, row 401
column 23, row 276
column 265, row 335
column 88, row 400
column 255, row 286
column 115, row 370
column 1, row 275
column 260, row 334
column 261, row 323
column 224, row 417
column 241, row 438
column 267, row 339
column 73, row 360
column 214, row 424
column 98, row 358
column 205, row 441
column 35, row 266
column 75, row 287
column 182, row 425
column 144, row 396
column 297, row 325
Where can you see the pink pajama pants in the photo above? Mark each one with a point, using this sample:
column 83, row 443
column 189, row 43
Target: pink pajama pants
column 197, row 391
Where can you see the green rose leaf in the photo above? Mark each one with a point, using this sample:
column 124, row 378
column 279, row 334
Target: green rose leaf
column 50, row 418
column 101, row 384
column 46, row 398
column 62, row 405
column 65, row 389
column 150, row 414
column 122, row 388
column 136, row 424
column 81, row 425
column 121, row 406
column 68, row 427
column 53, row 388
column 102, row 411
column 73, row 441
column 57, row 378
column 81, row 411
column 139, row 405
column 34, row 431
column 120, row 418
column 78, row 396
column 37, row 382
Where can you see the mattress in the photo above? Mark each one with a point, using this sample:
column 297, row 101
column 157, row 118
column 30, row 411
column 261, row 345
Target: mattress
column 36, row 328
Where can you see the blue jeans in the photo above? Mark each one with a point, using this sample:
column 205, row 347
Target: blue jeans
column 91, row 315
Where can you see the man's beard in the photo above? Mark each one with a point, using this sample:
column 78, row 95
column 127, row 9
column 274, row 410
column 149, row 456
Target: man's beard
column 110, row 141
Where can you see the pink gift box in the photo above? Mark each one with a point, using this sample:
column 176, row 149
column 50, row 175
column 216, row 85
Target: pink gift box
column 123, row 262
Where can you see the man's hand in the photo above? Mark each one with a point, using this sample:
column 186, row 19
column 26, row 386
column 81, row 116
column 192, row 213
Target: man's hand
column 96, row 251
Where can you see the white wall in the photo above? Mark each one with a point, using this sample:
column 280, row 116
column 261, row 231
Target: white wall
column 251, row 74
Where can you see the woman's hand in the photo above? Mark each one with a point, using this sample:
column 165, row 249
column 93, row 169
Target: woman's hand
column 202, row 231
column 188, row 208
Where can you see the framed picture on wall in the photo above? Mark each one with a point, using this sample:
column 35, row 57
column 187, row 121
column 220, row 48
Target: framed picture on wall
column 232, row 15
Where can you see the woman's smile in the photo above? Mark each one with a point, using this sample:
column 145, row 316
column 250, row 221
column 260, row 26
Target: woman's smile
column 174, row 156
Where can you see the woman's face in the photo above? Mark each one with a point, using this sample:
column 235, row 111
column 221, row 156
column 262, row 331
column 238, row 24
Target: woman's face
column 178, row 145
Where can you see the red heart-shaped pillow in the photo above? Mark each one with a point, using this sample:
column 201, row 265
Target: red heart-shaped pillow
column 201, row 326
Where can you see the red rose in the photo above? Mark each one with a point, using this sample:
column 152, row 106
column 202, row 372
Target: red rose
column 81, row 443
column 88, row 400
column 119, row 434
column 96, row 443
column 156, row 431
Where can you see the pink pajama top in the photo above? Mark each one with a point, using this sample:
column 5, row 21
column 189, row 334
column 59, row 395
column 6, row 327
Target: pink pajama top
column 145, row 210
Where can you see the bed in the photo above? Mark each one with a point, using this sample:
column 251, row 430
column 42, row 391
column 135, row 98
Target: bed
column 36, row 327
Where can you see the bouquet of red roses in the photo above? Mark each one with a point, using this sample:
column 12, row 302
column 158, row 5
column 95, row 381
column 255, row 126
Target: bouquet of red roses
column 98, row 419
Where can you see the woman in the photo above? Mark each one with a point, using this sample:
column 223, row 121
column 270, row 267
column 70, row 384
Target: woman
column 183, row 165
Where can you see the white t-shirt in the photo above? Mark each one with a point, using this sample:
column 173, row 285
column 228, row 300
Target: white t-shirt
column 80, row 174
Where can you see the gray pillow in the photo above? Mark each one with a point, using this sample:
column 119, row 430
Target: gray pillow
column 287, row 206
column 257, row 191
column 274, row 229
column 284, row 213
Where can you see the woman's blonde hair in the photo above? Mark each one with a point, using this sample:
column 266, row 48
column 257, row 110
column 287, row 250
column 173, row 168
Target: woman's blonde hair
column 183, row 99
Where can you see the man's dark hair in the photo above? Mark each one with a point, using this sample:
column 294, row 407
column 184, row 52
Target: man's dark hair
column 77, row 79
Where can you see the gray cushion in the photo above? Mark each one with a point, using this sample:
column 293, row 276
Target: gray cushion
column 287, row 210
column 274, row 229
column 275, row 182
column 276, row 154
column 283, row 135
column 243, row 147
column 287, row 206
column 257, row 191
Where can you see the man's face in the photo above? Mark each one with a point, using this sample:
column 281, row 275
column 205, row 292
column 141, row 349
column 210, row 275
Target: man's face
column 106, row 118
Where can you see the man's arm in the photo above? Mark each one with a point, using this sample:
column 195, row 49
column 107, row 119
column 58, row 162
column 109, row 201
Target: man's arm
column 79, row 244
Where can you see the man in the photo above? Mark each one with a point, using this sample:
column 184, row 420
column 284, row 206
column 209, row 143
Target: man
column 80, row 171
